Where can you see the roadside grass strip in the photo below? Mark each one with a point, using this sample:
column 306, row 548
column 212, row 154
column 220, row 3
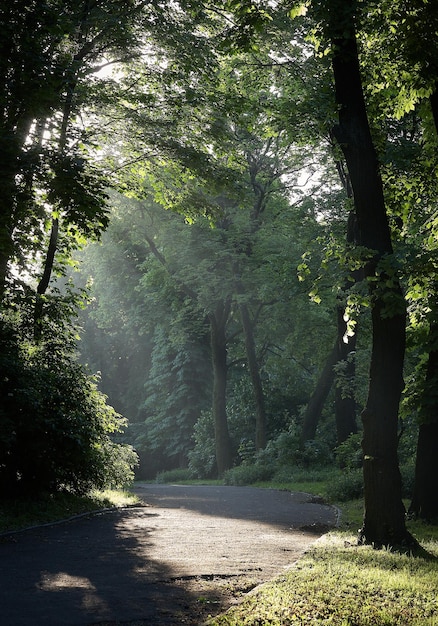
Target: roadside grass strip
column 340, row 583
column 20, row 514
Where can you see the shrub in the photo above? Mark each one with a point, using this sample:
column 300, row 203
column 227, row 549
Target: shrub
column 349, row 453
column 202, row 459
column 407, row 471
column 174, row 476
column 285, row 450
column 348, row 486
column 248, row 474
column 55, row 426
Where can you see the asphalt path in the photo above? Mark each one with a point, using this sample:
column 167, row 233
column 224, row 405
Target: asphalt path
column 188, row 552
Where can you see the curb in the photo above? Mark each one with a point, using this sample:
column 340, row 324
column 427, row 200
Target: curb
column 96, row 512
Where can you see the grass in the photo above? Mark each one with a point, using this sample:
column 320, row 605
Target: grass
column 341, row 584
column 19, row 514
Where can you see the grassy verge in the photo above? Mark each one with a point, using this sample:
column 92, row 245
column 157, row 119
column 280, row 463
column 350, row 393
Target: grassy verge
column 342, row 584
column 338, row 583
column 18, row 514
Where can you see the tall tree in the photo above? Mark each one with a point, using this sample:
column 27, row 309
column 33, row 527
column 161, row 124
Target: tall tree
column 384, row 517
column 402, row 72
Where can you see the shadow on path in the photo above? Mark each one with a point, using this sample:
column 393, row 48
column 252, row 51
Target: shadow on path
column 280, row 509
column 89, row 571
column 137, row 565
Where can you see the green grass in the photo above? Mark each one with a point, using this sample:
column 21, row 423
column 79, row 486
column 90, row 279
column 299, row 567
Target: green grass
column 19, row 514
column 341, row 584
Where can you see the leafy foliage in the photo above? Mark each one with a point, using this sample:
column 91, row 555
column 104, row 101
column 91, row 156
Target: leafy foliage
column 56, row 427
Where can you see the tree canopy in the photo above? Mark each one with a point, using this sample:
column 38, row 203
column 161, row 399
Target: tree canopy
column 250, row 190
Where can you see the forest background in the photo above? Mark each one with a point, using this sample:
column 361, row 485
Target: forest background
column 229, row 210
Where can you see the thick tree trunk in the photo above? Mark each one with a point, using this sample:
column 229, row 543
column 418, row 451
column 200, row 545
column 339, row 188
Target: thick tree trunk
column 384, row 518
column 8, row 171
column 218, row 321
column 424, row 502
column 260, row 412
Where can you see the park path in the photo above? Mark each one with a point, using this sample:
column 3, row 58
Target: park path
column 190, row 551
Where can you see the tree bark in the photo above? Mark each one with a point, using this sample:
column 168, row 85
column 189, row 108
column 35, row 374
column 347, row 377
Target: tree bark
column 424, row 502
column 218, row 321
column 8, row 171
column 345, row 406
column 384, row 516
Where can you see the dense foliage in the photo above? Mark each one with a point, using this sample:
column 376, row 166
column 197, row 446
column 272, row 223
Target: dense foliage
column 55, row 428
column 266, row 177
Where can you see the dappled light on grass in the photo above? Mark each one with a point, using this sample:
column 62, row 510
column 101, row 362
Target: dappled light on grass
column 339, row 583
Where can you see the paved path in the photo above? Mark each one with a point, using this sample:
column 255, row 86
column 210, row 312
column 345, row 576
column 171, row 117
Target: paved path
column 189, row 552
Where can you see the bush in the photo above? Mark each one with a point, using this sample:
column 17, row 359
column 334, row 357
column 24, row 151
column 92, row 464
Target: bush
column 202, row 459
column 247, row 474
column 55, row 426
column 174, row 476
column 408, row 479
column 286, row 451
column 348, row 486
column 349, row 453
column 303, row 475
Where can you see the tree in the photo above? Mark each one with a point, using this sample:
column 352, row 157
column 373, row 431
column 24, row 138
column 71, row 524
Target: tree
column 399, row 31
column 384, row 521
column 49, row 53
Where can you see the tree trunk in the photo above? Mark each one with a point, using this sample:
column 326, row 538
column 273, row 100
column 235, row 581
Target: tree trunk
column 424, row 502
column 260, row 412
column 45, row 279
column 345, row 405
column 8, row 171
column 319, row 396
column 384, row 517
column 218, row 321
column 345, row 402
